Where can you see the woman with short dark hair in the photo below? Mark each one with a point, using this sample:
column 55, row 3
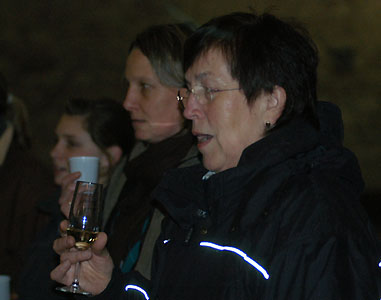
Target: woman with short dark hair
column 108, row 126
column 274, row 211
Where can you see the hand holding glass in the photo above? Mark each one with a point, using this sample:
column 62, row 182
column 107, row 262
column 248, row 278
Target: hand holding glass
column 85, row 219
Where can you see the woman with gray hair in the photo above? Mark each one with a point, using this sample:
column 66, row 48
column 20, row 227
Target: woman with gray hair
column 153, row 75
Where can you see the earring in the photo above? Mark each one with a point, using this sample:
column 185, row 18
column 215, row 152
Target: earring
column 268, row 125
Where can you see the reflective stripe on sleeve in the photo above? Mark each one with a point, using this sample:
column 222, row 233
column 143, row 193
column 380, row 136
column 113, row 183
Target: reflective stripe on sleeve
column 240, row 253
column 137, row 288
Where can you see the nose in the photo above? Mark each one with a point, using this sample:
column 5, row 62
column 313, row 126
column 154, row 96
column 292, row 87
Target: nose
column 193, row 108
column 56, row 151
column 130, row 100
column 53, row 152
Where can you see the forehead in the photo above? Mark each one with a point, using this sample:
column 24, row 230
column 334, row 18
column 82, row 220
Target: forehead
column 69, row 123
column 211, row 65
column 138, row 66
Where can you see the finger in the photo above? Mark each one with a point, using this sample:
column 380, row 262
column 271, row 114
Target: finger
column 63, row 226
column 59, row 273
column 71, row 186
column 65, row 206
column 66, row 194
column 74, row 256
column 70, row 178
column 63, row 244
column 68, row 187
column 98, row 247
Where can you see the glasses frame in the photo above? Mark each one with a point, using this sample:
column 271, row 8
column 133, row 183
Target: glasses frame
column 192, row 91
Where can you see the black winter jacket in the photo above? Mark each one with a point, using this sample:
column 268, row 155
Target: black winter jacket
column 286, row 223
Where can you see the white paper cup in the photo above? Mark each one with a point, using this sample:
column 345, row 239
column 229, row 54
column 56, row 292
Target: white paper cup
column 5, row 293
column 87, row 165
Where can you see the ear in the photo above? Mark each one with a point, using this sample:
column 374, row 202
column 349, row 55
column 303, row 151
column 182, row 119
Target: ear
column 115, row 153
column 276, row 102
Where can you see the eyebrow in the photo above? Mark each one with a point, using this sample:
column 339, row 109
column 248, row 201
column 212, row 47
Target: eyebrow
column 199, row 77
column 202, row 75
column 139, row 79
column 67, row 136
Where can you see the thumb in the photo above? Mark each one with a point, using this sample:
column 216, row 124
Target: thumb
column 99, row 246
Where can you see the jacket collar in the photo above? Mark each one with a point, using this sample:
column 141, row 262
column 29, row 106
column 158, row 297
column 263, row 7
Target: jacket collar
column 183, row 191
column 155, row 159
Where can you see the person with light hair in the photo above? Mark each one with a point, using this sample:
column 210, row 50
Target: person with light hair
column 24, row 181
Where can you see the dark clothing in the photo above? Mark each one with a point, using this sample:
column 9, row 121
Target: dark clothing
column 24, row 181
column 124, row 225
column 134, row 207
column 286, row 223
column 35, row 282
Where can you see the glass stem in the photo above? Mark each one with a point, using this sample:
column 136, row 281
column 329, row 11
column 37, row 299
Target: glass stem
column 75, row 283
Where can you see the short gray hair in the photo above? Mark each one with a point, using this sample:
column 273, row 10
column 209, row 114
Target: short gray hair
column 163, row 45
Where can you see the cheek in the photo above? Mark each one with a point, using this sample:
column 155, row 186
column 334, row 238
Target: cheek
column 58, row 178
column 65, row 154
column 232, row 134
column 152, row 111
column 166, row 108
column 225, row 120
column 172, row 116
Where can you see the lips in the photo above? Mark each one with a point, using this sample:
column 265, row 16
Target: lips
column 203, row 139
column 58, row 169
column 137, row 122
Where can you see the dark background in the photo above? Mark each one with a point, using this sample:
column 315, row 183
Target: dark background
column 52, row 50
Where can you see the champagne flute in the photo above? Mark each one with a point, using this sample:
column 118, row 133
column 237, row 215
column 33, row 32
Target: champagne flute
column 85, row 219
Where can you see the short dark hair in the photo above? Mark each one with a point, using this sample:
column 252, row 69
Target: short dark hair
column 163, row 46
column 107, row 122
column 262, row 52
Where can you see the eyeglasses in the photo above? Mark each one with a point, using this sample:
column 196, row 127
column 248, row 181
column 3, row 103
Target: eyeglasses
column 202, row 95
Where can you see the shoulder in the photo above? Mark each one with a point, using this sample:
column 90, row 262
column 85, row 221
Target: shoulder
column 193, row 157
column 319, row 190
column 322, row 199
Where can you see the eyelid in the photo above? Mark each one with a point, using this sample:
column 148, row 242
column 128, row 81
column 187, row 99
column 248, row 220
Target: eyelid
column 71, row 142
column 125, row 83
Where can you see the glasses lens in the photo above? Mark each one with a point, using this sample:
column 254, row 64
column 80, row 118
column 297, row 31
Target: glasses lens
column 200, row 94
column 208, row 94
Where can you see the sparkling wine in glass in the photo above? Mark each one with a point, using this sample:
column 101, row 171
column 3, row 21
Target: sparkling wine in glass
column 85, row 219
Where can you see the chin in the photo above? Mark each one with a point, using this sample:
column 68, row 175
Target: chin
column 215, row 165
column 58, row 181
column 210, row 165
column 142, row 136
column 59, row 177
